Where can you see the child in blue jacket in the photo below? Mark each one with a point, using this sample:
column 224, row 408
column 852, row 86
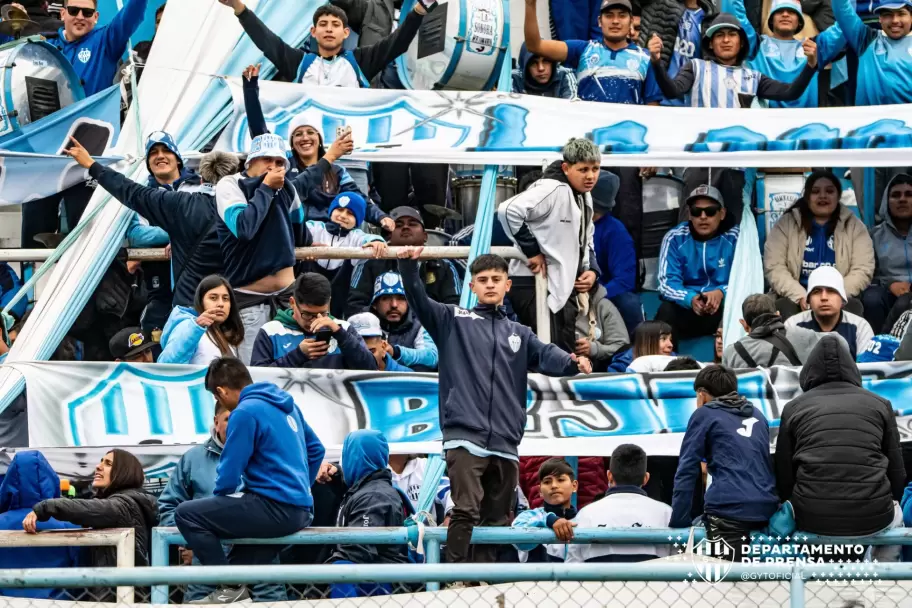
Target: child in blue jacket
column 557, row 484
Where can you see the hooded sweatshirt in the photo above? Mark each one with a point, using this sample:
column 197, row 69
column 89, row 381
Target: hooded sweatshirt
column 270, row 447
column 838, row 458
column 550, row 218
column 893, row 250
column 371, row 500
column 561, row 85
column 192, row 478
column 29, row 480
column 732, row 436
column 277, row 345
column 763, row 352
column 95, row 55
column 884, row 64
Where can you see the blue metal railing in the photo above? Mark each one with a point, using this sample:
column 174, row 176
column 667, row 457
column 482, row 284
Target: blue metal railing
column 673, row 572
column 162, row 538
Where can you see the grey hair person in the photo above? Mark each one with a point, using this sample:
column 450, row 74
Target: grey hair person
column 581, row 150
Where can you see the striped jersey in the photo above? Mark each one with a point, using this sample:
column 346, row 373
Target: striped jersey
column 718, row 86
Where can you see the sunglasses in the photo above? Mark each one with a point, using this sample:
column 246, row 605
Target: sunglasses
column 707, row 211
column 74, row 11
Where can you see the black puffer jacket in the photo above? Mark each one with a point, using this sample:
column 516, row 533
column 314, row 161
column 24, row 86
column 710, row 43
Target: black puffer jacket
column 837, row 454
column 124, row 509
column 662, row 17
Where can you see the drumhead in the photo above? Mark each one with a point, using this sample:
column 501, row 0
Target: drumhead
column 461, row 46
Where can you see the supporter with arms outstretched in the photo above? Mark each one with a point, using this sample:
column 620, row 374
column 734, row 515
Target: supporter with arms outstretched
column 720, row 80
column 315, row 170
column 188, row 214
column 611, row 69
column 781, row 56
column 484, row 363
column 329, row 64
column 885, row 56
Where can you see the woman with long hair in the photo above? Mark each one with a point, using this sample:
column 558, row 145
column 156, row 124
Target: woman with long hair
column 119, row 502
column 211, row 329
column 818, row 230
column 650, row 338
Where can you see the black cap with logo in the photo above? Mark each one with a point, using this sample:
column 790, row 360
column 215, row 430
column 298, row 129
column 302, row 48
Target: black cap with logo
column 129, row 342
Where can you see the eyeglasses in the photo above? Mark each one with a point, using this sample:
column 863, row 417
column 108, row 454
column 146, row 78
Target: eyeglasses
column 74, row 11
column 310, row 317
column 707, row 211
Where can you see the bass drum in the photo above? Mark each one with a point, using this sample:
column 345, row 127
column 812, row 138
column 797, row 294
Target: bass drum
column 37, row 80
column 461, row 46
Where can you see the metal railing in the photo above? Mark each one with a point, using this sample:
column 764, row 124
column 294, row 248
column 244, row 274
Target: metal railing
column 433, row 537
column 122, row 539
column 542, row 315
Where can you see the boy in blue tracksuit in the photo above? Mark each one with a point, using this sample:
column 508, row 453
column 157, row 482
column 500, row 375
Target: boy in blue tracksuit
column 884, row 56
column 557, row 484
column 271, row 450
column 183, row 207
column 370, row 501
column 261, row 224
column 294, row 338
column 732, row 437
column 193, row 478
column 694, row 265
column 29, row 480
column 329, row 64
column 95, row 51
column 781, row 56
column 484, row 364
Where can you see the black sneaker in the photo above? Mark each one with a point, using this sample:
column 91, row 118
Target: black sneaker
column 224, row 595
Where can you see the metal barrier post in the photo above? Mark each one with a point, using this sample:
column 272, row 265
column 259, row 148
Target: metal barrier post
column 159, row 549
column 542, row 314
column 432, row 556
column 126, row 559
column 796, row 588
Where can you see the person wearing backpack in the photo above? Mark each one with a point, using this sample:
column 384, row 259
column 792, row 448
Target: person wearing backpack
column 768, row 342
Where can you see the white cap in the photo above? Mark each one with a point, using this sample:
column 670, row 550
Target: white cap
column 269, row 145
column 827, row 276
column 366, row 324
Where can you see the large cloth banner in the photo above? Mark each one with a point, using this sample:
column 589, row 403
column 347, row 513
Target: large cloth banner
column 503, row 128
column 32, row 164
column 81, row 405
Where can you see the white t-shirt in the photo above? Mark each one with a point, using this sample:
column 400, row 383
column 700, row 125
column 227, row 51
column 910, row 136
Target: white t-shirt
column 206, row 351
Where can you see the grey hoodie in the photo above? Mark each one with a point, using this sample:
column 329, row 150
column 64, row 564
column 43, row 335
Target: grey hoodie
column 610, row 331
column 893, row 251
column 802, row 340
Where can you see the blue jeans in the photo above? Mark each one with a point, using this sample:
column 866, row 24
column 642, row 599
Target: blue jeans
column 631, row 308
column 205, row 523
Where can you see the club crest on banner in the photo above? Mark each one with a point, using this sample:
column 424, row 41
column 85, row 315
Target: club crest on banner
column 713, row 570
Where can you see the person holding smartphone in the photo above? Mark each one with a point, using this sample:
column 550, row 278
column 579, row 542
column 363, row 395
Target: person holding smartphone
column 306, row 335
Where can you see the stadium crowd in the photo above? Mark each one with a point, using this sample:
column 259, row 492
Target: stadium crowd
column 234, row 295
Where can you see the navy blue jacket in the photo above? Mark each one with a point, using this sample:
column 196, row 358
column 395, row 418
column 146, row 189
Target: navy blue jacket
column 270, row 447
column 95, row 55
column 190, row 219
column 484, row 364
column 260, row 227
column 562, row 84
column 615, row 255
column 307, row 180
column 733, row 437
column 277, row 342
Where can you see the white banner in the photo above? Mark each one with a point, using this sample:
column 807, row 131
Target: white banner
column 502, row 128
column 87, row 407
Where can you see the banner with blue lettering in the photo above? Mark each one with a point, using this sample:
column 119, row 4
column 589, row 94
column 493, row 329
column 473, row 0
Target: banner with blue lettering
column 80, row 406
column 32, row 164
column 504, row 128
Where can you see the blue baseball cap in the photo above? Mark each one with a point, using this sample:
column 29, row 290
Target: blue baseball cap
column 388, row 284
column 893, row 5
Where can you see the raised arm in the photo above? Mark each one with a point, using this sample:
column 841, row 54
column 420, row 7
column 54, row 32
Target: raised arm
column 283, row 56
column 256, row 121
column 736, row 8
column 857, row 34
column 435, row 317
column 682, row 83
column 775, row 90
column 242, row 218
column 555, row 50
column 122, row 26
column 374, row 58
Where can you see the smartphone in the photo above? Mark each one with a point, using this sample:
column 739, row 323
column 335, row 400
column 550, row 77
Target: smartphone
column 342, row 131
column 324, row 335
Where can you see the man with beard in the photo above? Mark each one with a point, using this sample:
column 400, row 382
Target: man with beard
column 408, row 343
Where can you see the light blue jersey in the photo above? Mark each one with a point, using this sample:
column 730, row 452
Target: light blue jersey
column 623, row 76
column 718, row 86
column 783, row 60
column 884, row 65
column 687, row 47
